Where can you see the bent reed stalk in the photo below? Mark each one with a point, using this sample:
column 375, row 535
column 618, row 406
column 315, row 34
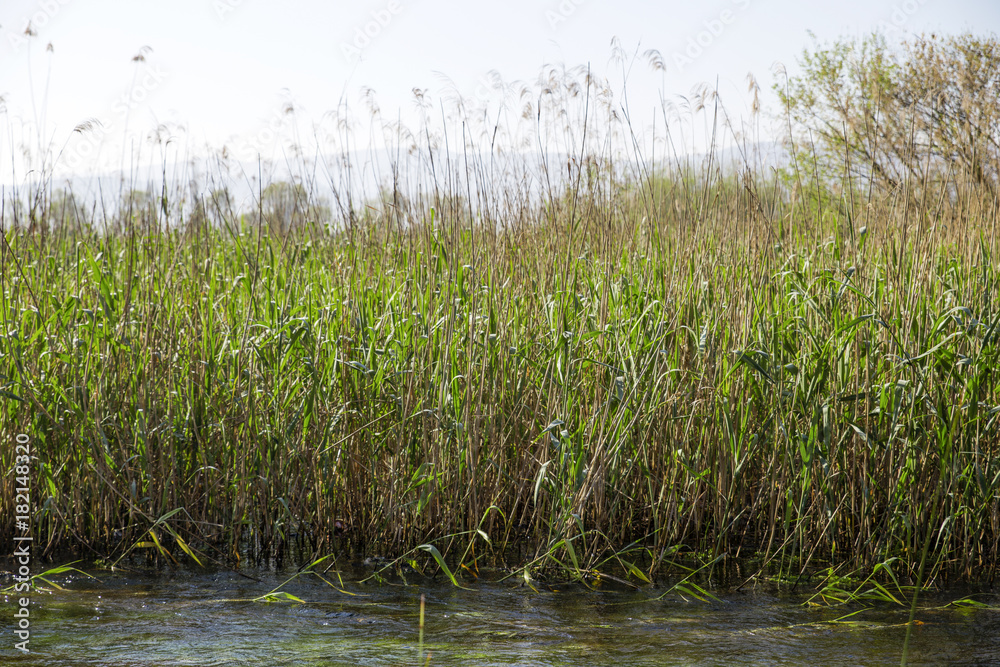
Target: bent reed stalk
column 636, row 361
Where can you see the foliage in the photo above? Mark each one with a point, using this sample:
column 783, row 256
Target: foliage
column 926, row 108
column 546, row 371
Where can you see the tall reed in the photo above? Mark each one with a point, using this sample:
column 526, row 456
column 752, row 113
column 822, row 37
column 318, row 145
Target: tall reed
column 633, row 355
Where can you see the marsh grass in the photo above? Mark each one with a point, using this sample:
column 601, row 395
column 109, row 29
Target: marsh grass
column 632, row 363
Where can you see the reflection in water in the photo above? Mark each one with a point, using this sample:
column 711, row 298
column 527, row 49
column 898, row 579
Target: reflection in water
column 205, row 619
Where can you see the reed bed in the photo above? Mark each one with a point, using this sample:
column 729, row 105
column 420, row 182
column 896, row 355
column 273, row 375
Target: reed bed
column 638, row 362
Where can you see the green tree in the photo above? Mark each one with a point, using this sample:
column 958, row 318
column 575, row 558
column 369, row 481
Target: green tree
column 893, row 113
column 288, row 206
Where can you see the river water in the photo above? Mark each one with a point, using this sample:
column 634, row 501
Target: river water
column 209, row 618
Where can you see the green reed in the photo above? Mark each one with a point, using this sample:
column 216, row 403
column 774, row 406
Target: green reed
column 631, row 366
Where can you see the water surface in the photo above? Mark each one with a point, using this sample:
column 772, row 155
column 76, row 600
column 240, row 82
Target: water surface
column 192, row 618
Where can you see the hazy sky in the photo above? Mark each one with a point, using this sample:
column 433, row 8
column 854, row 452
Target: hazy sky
column 219, row 72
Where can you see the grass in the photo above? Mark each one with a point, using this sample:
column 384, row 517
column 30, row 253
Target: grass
column 636, row 363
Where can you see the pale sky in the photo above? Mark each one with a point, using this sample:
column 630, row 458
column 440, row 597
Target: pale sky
column 220, row 72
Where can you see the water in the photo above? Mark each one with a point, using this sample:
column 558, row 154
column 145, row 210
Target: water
column 198, row 618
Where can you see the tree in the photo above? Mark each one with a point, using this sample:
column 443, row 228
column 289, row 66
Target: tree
column 64, row 210
column 919, row 110
column 287, row 206
column 140, row 207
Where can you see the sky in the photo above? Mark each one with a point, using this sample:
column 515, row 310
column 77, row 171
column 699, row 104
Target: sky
column 215, row 73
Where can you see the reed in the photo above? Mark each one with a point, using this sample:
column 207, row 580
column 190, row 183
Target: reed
column 640, row 359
